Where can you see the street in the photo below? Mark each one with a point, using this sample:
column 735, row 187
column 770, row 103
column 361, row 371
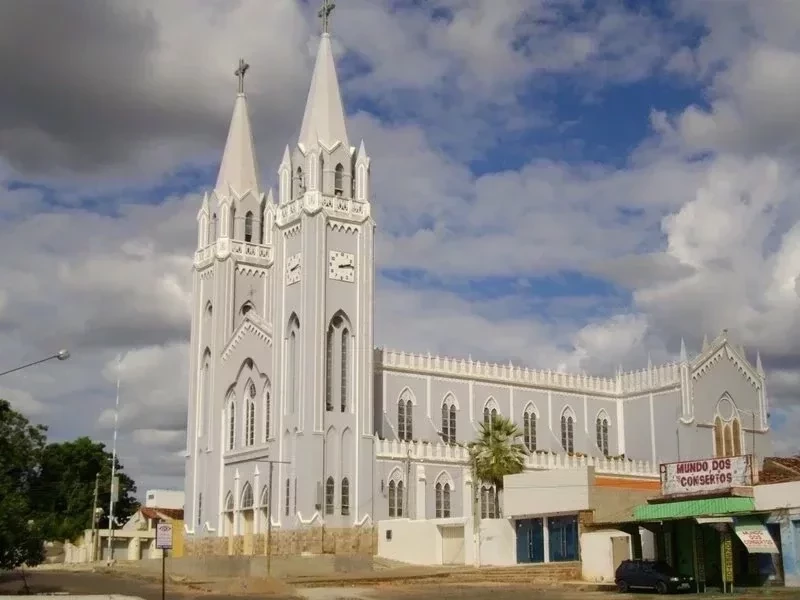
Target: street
column 86, row 582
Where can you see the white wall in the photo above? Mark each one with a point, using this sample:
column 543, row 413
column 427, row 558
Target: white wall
column 413, row 542
column 498, row 542
column 165, row 499
column 546, row 492
column 597, row 556
column 774, row 496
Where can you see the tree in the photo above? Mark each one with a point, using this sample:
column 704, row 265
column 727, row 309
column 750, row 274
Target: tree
column 65, row 487
column 21, row 447
column 497, row 453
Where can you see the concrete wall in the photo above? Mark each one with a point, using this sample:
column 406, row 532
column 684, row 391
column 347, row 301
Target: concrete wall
column 413, row 542
column 776, row 496
column 546, row 492
column 498, row 542
column 165, row 499
column 615, row 504
column 597, row 557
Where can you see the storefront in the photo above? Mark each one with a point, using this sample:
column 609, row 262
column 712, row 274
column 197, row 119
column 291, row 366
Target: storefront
column 706, row 525
column 548, row 539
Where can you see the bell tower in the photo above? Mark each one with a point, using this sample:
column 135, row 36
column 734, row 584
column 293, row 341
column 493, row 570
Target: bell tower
column 324, row 297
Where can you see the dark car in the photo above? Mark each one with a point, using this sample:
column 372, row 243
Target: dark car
column 652, row 575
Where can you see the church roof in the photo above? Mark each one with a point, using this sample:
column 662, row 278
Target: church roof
column 323, row 120
column 238, row 168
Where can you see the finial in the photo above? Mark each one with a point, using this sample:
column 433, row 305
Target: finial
column 759, row 366
column 325, row 14
column 243, row 66
column 683, row 351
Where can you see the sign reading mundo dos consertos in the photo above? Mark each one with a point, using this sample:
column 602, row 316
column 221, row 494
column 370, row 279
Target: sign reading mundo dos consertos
column 705, row 475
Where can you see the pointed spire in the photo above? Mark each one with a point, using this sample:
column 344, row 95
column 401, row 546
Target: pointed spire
column 270, row 198
column 759, row 366
column 705, row 342
column 649, row 362
column 683, row 351
column 238, row 168
column 323, row 119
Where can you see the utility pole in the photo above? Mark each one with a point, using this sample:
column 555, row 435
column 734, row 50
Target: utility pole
column 408, row 483
column 94, row 516
column 268, row 541
column 113, row 472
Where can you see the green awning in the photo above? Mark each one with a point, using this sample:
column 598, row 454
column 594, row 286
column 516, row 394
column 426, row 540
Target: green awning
column 684, row 509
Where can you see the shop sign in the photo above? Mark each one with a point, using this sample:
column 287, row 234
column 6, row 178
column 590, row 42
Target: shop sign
column 756, row 538
column 727, row 557
column 705, row 475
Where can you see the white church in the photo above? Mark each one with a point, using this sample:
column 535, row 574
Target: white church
column 283, row 366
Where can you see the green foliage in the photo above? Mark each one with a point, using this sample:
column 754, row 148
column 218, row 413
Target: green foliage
column 21, row 447
column 47, row 490
column 497, row 452
column 65, row 488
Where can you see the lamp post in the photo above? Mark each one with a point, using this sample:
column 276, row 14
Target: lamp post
column 268, row 541
column 60, row 355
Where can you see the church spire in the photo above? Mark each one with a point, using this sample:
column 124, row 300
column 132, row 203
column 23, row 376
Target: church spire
column 238, row 168
column 323, row 120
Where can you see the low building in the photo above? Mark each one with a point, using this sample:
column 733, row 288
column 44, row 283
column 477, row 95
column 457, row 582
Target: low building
column 172, row 499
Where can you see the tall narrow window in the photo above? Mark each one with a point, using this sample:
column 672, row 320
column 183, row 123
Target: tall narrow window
column 204, row 392
column 232, row 228
column 293, row 383
column 449, row 420
column 727, row 436
column 489, row 502
column 267, row 411
column 294, row 495
column 736, row 428
column 392, row 499
column 345, row 497
column 212, row 234
column 330, row 495
column 345, row 361
column 442, row 497
column 719, row 444
column 248, row 226
column 231, row 424
column 301, row 182
column 338, row 180
column 405, row 416
column 288, row 494
column 250, row 421
column 568, row 431
column 400, row 499
column 199, row 510
column 329, row 369
column 529, row 429
column 601, row 426
column 489, row 414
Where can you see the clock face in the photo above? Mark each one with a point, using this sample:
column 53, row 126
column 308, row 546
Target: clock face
column 293, row 268
column 341, row 266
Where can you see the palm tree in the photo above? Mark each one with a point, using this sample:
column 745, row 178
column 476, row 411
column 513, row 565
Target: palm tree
column 497, row 452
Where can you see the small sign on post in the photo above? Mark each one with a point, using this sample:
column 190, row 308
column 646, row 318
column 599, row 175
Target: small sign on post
column 164, row 543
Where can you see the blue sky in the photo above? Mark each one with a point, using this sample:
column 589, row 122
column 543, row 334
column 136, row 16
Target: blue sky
column 562, row 184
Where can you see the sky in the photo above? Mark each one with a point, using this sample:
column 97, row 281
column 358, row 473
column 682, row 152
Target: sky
column 562, row 184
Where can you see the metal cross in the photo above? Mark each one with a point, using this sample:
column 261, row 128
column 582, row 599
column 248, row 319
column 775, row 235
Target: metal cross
column 243, row 66
column 325, row 14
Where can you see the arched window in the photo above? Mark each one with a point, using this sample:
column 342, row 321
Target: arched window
column 301, row 182
column 719, row 443
column 568, row 430
column 232, row 228
column 246, row 308
column 338, row 180
column 337, row 362
column 229, row 502
column 489, row 413
column 265, row 508
column 293, row 383
column 449, row 420
column 209, row 310
column 442, row 491
column 231, row 423
column 288, row 495
column 212, row 234
column 529, row 429
column 396, row 497
column 248, row 226
column 489, row 508
column 250, row 417
column 267, row 410
column 405, row 417
column 601, row 427
column 727, row 437
column 736, row 430
column 247, row 498
column 345, row 497
column 204, row 392
column 330, row 495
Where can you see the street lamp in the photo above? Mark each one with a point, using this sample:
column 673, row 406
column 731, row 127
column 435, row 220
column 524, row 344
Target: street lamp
column 60, row 355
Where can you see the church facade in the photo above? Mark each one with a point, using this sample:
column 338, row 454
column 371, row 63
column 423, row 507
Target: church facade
column 295, row 416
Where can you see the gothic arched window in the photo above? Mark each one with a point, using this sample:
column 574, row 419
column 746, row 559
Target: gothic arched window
column 568, row 430
column 345, row 497
column 212, row 234
column 330, row 495
column 601, row 427
column 288, row 492
column 248, row 226
column 293, row 383
column 529, row 429
column 337, row 362
column 250, row 416
column 395, row 496
column 489, row 412
column 267, row 410
column 405, row 417
column 489, row 508
column 231, row 423
column 442, row 492
column 338, row 180
column 232, row 227
column 449, row 420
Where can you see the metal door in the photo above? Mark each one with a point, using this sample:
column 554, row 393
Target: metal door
column 452, row 545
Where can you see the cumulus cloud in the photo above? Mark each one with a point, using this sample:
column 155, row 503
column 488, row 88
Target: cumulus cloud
column 98, row 122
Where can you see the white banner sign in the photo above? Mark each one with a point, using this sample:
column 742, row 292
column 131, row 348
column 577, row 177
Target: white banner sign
column 704, row 476
column 164, row 536
column 757, row 539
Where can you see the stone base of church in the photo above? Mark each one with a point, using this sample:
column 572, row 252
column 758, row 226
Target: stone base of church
column 351, row 541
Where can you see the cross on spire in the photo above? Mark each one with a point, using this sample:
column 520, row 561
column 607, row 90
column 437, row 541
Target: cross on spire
column 243, row 66
column 325, row 14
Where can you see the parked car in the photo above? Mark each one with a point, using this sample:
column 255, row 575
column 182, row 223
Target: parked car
column 653, row 575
